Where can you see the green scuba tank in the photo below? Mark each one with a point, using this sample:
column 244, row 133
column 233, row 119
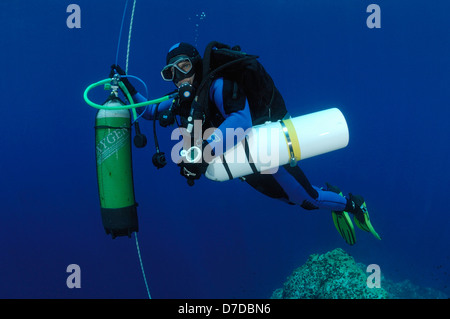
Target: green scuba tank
column 114, row 170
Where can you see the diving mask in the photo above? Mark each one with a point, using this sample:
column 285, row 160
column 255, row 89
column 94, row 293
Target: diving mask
column 179, row 69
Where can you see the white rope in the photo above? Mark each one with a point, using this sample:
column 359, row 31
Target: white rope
column 126, row 71
column 142, row 266
column 129, row 36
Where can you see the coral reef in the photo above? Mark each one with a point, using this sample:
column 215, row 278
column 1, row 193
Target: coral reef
column 407, row 290
column 336, row 275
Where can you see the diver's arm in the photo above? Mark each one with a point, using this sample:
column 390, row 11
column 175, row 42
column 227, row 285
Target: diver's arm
column 237, row 122
column 149, row 110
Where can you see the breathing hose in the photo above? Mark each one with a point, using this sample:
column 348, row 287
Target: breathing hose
column 125, row 90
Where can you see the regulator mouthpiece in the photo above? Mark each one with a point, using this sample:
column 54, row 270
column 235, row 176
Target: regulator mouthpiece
column 140, row 140
column 186, row 92
column 166, row 118
column 159, row 160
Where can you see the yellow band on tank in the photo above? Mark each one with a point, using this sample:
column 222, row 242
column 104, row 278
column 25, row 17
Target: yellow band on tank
column 292, row 141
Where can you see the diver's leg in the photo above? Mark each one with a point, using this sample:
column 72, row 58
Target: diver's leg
column 300, row 191
column 267, row 185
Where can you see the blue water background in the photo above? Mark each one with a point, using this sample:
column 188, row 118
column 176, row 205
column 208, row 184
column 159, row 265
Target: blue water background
column 222, row 240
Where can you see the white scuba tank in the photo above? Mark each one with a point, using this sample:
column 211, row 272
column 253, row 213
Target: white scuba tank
column 270, row 145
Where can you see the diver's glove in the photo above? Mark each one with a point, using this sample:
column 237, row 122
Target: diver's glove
column 117, row 69
column 193, row 171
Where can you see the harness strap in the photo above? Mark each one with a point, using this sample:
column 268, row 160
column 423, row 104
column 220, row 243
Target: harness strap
column 247, row 154
column 227, row 168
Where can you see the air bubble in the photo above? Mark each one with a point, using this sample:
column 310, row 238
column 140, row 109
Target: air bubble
column 199, row 17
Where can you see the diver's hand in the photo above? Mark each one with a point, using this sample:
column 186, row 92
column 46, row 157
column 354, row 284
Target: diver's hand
column 193, row 171
column 117, row 69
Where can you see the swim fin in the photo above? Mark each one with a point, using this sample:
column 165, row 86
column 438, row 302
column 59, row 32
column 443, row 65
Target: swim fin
column 344, row 226
column 361, row 215
column 342, row 220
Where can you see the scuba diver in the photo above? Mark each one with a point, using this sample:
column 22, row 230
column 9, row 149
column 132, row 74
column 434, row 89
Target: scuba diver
column 222, row 102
